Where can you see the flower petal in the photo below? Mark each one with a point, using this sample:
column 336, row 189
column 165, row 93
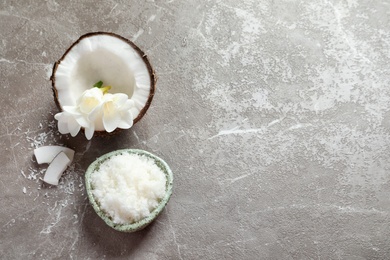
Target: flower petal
column 73, row 126
column 111, row 122
column 88, row 105
column 58, row 115
column 89, row 131
column 126, row 121
column 92, row 92
column 111, row 117
column 89, row 100
column 71, row 110
column 95, row 113
column 120, row 99
column 108, row 97
column 128, row 105
column 63, row 127
column 82, row 121
column 62, row 122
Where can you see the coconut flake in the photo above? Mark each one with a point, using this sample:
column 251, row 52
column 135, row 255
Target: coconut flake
column 46, row 154
column 56, row 168
column 128, row 187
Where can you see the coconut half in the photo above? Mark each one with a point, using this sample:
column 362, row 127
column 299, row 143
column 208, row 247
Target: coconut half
column 106, row 57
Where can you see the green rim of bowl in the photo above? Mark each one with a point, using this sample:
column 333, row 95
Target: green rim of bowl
column 143, row 222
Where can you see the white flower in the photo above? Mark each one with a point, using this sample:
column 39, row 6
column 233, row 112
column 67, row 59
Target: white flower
column 116, row 112
column 67, row 123
column 89, row 100
column 93, row 106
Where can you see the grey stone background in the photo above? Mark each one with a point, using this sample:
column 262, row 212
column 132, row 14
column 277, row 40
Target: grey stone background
column 273, row 115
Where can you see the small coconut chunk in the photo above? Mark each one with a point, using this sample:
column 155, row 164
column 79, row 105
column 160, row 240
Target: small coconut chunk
column 56, row 168
column 46, row 154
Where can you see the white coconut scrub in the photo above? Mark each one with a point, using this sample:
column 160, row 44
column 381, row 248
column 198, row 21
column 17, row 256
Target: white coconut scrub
column 85, row 102
column 128, row 187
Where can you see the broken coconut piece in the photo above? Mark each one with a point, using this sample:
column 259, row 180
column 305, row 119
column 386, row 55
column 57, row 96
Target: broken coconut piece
column 46, row 154
column 102, row 57
column 56, row 168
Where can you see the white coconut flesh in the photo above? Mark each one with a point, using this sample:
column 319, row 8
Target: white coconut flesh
column 46, row 154
column 103, row 57
column 56, row 168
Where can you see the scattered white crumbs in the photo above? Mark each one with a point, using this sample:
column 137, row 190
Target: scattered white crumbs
column 45, row 134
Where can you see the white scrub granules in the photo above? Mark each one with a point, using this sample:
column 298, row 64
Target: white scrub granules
column 128, row 187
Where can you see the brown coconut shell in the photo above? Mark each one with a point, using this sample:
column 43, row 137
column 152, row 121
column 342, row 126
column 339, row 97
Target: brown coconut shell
column 152, row 75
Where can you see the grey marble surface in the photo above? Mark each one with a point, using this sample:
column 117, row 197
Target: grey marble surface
column 273, row 115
